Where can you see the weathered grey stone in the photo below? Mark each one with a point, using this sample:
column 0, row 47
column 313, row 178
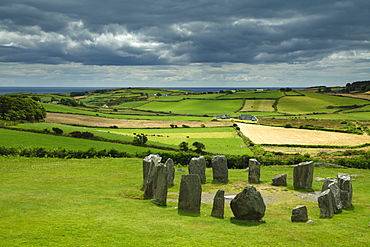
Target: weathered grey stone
column 345, row 186
column 149, row 180
column 190, row 193
column 219, row 169
column 303, row 175
column 218, row 208
column 254, row 171
column 160, row 185
column 326, row 204
column 337, row 202
column 279, row 180
column 147, row 161
column 299, row 214
column 198, row 166
column 248, row 204
column 326, row 183
column 171, row 171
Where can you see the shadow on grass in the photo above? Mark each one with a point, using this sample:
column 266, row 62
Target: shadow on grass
column 185, row 213
column 238, row 222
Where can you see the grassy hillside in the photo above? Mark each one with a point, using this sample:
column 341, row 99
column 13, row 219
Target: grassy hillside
column 98, row 202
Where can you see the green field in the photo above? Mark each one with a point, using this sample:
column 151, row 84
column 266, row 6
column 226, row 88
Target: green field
column 98, row 202
column 12, row 138
column 250, row 95
column 258, row 105
column 196, row 107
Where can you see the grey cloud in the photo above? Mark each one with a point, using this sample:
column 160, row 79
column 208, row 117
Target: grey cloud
column 113, row 32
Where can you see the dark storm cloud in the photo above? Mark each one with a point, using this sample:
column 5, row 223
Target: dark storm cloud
column 114, row 32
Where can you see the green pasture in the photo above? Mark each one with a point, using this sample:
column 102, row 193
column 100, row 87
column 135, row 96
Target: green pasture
column 195, row 107
column 303, row 105
column 98, row 202
column 222, row 140
column 66, row 109
column 13, row 138
column 168, row 98
column 203, row 96
column 131, row 104
column 258, row 105
column 253, row 94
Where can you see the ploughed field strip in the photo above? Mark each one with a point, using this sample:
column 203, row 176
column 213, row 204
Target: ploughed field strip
column 277, row 135
column 122, row 123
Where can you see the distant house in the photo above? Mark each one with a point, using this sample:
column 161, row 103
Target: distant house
column 223, row 117
column 248, row 117
column 105, row 106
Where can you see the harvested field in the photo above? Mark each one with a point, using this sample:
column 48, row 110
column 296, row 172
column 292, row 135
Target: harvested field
column 94, row 121
column 276, row 135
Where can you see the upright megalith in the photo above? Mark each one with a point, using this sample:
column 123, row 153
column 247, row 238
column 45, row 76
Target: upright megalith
column 219, row 169
column 190, row 193
column 160, row 185
column 299, row 214
column 345, row 186
column 326, row 183
column 248, row 204
column 147, row 162
column 149, row 180
column 254, row 171
column 171, row 171
column 279, row 180
column 218, row 208
column 303, row 175
column 337, row 201
column 198, row 166
column 326, row 204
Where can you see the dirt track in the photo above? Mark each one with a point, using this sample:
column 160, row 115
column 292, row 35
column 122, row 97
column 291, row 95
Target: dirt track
column 122, row 123
column 260, row 134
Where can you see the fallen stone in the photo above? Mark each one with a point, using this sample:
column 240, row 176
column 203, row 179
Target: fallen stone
column 325, row 202
column 279, row 180
column 198, row 166
column 220, row 169
column 248, row 204
column 303, row 175
column 310, row 222
column 254, row 171
column 190, row 193
column 218, row 204
column 299, row 214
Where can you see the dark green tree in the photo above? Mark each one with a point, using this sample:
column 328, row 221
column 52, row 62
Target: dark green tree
column 20, row 108
column 140, row 139
column 199, row 147
column 184, row 146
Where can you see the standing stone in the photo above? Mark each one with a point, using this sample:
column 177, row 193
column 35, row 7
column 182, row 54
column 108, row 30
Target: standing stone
column 198, row 166
column 345, row 186
column 248, row 204
column 218, row 204
column 190, row 193
column 299, row 214
column 219, row 169
column 254, row 171
column 171, row 171
column 149, row 181
column 337, row 202
column 303, row 175
column 160, row 185
column 326, row 204
column 279, row 180
column 326, row 183
column 147, row 161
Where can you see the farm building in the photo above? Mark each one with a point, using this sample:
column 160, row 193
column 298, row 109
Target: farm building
column 223, row 117
column 248, row 117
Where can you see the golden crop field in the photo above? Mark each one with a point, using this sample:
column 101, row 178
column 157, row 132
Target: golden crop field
column 260, row 134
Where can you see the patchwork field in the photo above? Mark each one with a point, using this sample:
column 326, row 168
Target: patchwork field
column 260, row 134
column 258, row 105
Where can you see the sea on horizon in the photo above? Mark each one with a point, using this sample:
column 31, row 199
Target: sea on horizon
column 56, row 90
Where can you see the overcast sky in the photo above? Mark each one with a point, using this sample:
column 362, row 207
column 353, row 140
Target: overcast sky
column 184, row 43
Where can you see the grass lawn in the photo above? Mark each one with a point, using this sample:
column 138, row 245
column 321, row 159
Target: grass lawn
column 98, row 202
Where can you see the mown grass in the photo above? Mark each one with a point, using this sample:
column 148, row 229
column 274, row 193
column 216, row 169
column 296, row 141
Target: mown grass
column 196, row 107
column 258, row 105
column 98, row 202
